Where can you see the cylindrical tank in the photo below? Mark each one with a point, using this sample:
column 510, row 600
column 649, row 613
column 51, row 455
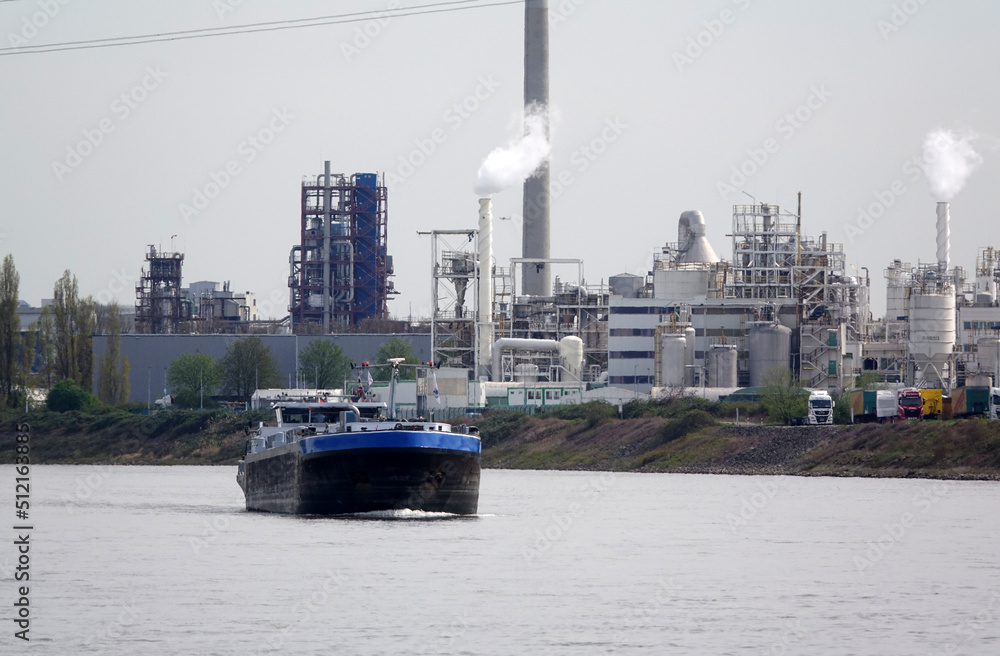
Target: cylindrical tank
column 932, row 335
column 626, row 284
column 673, row 347
column 720, row 366
column 896, row 296
column 689, row 356
column 986, row 290
column 526, row 373
column 770, row 346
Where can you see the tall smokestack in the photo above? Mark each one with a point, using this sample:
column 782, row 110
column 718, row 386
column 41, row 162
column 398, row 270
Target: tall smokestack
column 485, row 283
column 535, row 241
column 943, row 237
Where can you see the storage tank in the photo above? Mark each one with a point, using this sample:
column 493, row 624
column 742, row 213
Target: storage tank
column 897, row 293
column 689, row 356
column 720, row 366
column 932, row 336
column 626, row 284
column 770, row 346
column 526, row 373
column 673, row 349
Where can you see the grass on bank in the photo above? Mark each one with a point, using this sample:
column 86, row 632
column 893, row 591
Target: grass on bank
column 106, row 434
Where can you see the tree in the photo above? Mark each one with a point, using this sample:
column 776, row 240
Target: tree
column 782, row 396
column 67, row 395
column 324, row 364
column 10, row 331
column 113, row 368
column 868, row 378
column 73, row 329
column 45, row 341
column 194, row 374
column 396, row 348
column 247, row 367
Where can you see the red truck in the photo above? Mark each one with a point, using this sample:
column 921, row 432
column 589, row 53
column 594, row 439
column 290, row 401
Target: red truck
column 909, row 403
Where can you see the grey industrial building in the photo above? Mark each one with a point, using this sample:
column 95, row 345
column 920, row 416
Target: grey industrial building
column 149, row 356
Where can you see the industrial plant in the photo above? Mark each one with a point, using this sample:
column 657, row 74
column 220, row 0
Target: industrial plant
column 529, row 330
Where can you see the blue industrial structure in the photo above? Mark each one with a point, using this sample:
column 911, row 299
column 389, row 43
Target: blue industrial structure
column 340, row 272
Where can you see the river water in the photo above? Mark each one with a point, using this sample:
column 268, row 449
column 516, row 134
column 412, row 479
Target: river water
column 165, row 560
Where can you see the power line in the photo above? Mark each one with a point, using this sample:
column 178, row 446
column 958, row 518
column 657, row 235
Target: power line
column 250, row 28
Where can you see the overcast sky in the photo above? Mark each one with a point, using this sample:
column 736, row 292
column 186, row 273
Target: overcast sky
column 657, row 102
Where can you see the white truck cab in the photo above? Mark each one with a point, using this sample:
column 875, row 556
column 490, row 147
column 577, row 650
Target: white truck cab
column 821, row 406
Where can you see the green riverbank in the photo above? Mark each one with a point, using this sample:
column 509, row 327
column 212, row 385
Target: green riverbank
column 691, row 443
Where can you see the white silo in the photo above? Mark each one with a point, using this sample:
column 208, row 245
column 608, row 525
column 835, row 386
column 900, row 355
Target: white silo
column 673, row 349
column 689, row 356
column 897, row 291
column 720, row 366
column 769, row 346
column 932, row 337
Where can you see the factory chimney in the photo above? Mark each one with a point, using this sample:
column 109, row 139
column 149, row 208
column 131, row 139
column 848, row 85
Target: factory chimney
column 943, row 237
column 535, row 240
column 485, row 328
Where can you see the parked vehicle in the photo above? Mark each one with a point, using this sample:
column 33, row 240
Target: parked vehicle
column 933, row 402
column 885, row 406
column 970, row 401
column 909, row 403
column 873, row 405
column 821, row 406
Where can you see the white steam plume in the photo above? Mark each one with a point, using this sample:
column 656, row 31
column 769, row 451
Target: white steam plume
column 512, row 164
column 949, row 160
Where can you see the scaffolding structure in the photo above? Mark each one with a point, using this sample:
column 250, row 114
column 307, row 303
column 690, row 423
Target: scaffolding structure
column 160, row 307
column 454, row 315
column 775, row 263
column 340, row 272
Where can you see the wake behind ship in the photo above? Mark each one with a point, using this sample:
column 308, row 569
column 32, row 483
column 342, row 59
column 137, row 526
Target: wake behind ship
column 342, row 458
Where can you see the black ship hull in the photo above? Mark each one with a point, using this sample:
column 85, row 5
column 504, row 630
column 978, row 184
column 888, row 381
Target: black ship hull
column 357, row 480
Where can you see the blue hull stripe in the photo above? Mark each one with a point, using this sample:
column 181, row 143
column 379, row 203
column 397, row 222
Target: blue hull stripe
column 391, row 440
